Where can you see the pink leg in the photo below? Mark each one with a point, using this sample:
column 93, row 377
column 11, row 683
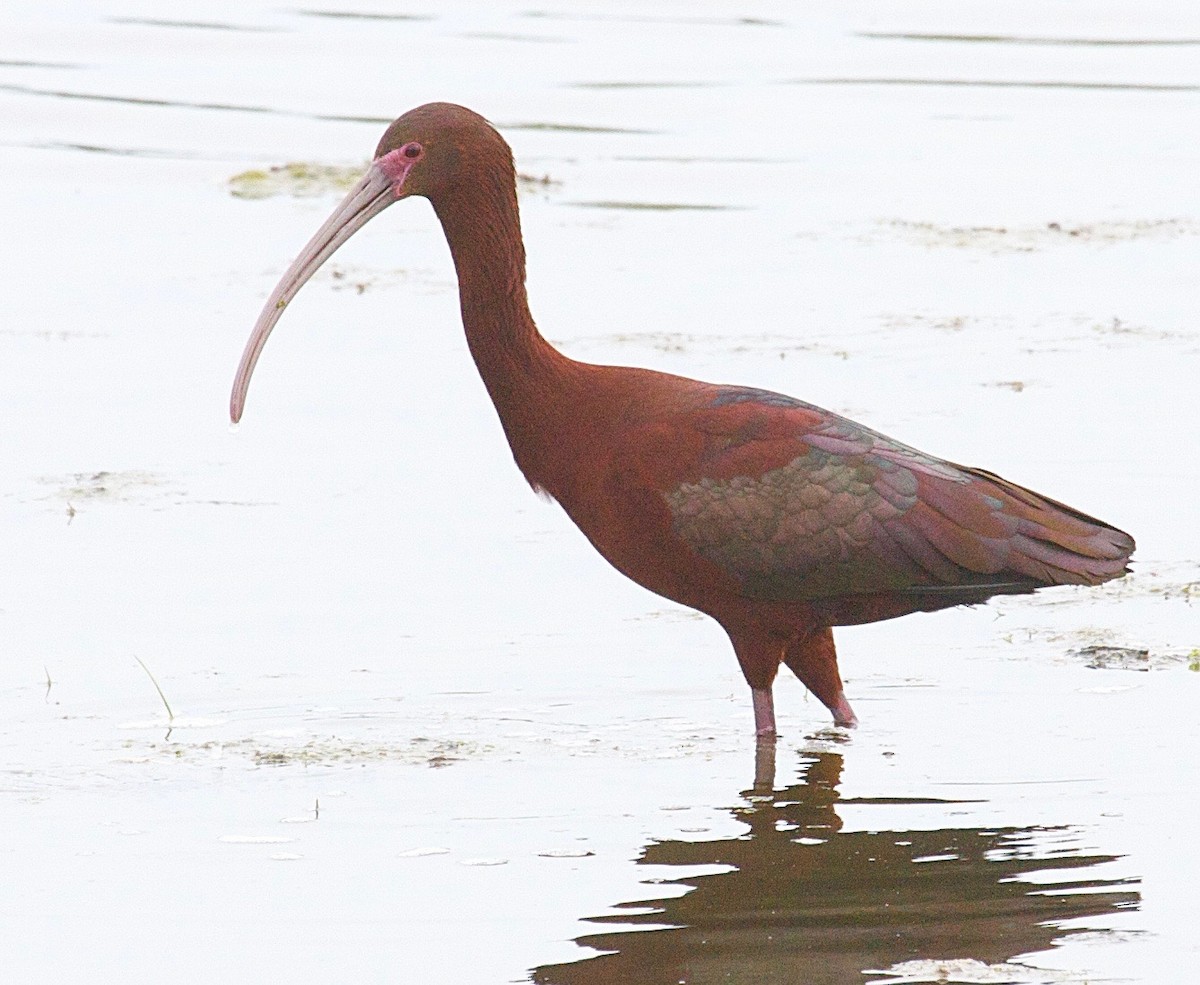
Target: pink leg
column 759, row 655
column 843, row 714
column 814, row 660
column 764, row 710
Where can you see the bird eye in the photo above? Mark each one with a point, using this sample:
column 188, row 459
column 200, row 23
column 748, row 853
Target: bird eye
column 412, row 151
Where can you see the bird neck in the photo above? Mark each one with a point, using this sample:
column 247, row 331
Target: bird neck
column 529, row 381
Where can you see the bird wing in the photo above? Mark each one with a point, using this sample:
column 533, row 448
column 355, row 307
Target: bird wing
column 797, row 503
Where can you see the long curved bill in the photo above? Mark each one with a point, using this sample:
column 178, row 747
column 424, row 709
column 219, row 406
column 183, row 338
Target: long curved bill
column 373, row 193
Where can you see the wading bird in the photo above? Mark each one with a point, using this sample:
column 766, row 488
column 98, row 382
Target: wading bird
column 777, row 518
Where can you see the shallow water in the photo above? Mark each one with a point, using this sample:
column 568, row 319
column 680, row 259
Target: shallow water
column 419, row 731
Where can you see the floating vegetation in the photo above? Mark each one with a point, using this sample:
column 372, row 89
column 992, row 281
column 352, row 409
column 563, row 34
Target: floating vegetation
column 298, row 179
column 1026, row 239
column 1114, row 657
column 532, row 182
column 420, row 751
column 332, row 751
column 307, row 180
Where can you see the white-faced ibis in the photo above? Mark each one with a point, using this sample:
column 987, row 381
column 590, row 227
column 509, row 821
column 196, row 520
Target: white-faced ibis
column 777, row 518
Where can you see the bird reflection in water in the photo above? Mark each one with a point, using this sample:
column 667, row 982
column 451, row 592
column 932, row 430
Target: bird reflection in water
column 805, row 903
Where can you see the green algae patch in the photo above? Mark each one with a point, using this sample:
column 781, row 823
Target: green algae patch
column 306, row 180
column 298, row 179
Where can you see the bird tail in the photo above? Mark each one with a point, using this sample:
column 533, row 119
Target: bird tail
column 1055, row 544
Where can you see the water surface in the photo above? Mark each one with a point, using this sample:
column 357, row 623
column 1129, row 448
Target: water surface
column 418, row 731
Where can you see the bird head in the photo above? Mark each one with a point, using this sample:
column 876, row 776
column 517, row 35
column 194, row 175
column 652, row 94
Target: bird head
column 423, row 153
column 427, row 149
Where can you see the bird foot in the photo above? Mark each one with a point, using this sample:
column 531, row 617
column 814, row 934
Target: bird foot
column 843, row 714
column 764, row 712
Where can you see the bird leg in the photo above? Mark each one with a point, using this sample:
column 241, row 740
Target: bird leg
column 764, row 712
column 814, row 660
column 759, row 655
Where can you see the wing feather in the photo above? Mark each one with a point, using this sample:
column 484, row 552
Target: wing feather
column 835, row 511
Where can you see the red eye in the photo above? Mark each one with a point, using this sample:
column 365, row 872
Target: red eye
column 412, row 151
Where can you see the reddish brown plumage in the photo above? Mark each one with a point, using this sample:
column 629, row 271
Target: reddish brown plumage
column 777, row 518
